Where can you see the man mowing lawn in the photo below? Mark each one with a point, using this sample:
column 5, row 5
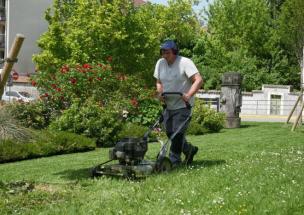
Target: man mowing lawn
column 175, row 73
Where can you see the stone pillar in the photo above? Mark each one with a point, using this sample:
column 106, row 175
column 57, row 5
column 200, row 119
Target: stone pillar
column 231, row 98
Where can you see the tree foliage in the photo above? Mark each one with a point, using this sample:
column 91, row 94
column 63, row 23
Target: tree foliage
column 262, row 39
column 243, row 36
column 83, row 31
column 291, row 28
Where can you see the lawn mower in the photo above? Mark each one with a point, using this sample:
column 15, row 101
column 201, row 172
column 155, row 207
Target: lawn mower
column 130, row 153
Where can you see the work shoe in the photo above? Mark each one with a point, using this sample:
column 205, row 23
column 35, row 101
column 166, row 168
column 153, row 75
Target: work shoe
column 189, row 156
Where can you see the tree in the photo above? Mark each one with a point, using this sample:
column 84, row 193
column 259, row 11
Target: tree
column 90, row 31
column 291, row 28
column 275, row 7
column 242, row 37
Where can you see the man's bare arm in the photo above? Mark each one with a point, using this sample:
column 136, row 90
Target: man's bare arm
column 197, row 82
column 159, row 87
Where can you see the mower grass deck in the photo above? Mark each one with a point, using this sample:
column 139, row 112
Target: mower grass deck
column 141, row 170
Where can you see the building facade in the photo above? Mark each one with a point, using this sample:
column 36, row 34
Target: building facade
column 2, row 28
column 25, row 17
column 22, row 17
column 271, row 100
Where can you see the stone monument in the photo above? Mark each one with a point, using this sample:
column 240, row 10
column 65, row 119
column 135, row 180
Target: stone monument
column 231, row 98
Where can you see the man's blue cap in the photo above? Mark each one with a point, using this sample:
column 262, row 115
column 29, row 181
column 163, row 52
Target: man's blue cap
column 168, row 44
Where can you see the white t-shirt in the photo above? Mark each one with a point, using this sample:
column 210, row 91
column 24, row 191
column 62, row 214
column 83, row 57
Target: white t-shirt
column 175, row 78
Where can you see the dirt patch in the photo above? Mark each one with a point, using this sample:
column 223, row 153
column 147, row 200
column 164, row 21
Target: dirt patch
column 17, row 187
column 25, row 187
column 47, row 188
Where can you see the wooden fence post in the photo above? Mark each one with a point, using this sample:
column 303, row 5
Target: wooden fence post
column 10, row 60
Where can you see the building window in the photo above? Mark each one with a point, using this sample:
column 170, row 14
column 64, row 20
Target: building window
column 275, row 104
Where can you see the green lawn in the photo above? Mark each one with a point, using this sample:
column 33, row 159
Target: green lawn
column 257, row 169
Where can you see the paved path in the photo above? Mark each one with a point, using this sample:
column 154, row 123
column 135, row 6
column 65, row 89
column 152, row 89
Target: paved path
column 266, row 118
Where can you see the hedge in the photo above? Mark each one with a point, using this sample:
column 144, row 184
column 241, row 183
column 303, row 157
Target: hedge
column 45, row 144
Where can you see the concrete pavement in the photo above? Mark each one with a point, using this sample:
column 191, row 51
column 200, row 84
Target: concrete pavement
column 266, row 118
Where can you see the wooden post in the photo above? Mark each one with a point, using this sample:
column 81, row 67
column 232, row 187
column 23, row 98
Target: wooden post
column 298, row 118
column 10, row 60
column 300, row 98
column 295, row 105
column 302, row 82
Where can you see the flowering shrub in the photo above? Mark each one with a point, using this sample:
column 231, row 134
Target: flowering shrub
column 76, row 81
column 147, row 111
column 79, row 81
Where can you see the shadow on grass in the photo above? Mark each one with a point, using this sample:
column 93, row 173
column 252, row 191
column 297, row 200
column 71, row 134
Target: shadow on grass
column 208, row 163
column 75, row 174
column 79, row 174
column 248, row 126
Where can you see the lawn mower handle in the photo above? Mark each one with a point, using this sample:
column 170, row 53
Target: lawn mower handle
column 176, row 93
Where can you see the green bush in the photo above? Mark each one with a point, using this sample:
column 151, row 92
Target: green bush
column 36, row 114
column 45, row 143
column 147, row 111
column 92, row 120
column 132, row 130
column 205, row 119
column 213, row 121
column 196, row 129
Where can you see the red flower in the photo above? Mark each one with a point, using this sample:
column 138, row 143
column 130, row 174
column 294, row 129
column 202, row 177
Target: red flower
column 44, row 95
column 99, row 79
column 80, row 69
column 64, row 69
column 87, row 66
column 58, row 89
column 73, row 80
column 53, row 86
column 110, row 59
column 34, row 83
column 134, row 102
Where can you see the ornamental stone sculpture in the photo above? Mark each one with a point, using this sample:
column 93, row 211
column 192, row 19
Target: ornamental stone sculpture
column 231, row 98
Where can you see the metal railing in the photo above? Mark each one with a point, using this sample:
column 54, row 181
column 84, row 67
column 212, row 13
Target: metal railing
column 213, row 102
column 265, row 107
column 259, row 107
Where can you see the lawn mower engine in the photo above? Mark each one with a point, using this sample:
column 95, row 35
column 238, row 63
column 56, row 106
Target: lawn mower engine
column 129, row 151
